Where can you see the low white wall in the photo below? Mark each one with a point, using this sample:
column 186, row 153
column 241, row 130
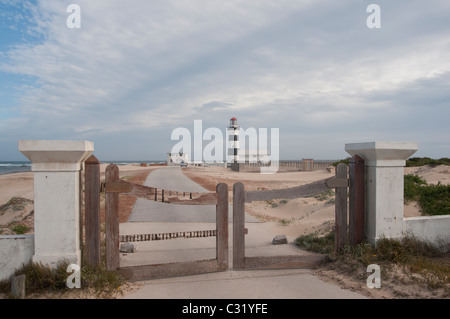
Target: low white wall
column 15, row 251
column 435, row 229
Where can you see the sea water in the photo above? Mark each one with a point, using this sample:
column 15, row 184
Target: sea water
column 14, row 167
column 24, row 166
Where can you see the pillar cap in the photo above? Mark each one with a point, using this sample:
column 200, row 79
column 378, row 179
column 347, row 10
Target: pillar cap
column 383, row 153
column 55, row 155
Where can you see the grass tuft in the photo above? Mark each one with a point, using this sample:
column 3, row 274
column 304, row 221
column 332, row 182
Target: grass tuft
column 42, row 279
column 312, row 242
column 327, row 196
column 20, row 229
column 15, row 203
column 432, row 262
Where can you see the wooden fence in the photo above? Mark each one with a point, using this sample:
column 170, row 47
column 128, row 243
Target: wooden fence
column 283, row 166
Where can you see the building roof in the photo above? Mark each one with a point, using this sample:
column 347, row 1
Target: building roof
column 233, row 119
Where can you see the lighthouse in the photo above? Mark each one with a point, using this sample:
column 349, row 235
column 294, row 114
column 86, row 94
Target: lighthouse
column 233, row 142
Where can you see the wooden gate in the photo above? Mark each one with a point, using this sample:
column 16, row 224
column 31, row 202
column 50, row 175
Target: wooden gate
column 349, row 231
column 340, row 182
column 113, row 186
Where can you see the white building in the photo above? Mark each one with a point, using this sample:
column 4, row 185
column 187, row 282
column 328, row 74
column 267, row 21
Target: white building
column 254, row 156
column 176, row 159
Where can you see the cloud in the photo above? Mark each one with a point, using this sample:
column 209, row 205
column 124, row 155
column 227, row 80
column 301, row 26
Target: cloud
column 311, row 68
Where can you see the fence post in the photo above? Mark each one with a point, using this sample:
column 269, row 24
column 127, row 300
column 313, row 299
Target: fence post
column 92, row 211
column 356, row 213
column 222, row 226
column 112, row 220
column 341, row 209
column 238, row 226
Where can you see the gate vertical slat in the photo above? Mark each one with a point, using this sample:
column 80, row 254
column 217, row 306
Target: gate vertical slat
column 356, row 200
column 112, row 220
column 238, row 226
column 341, row 209
column 222, row 226
column 92, row 211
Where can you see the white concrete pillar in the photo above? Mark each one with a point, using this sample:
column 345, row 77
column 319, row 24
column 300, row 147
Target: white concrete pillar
column 56, row 166
column 384, row 170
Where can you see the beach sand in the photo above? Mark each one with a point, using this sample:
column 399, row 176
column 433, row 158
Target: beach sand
column 292, row 218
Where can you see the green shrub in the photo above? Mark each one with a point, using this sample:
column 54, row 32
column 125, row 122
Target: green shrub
column 421, row 161
column 435, row 199
column 412, row 186
column 418, row 256
column 20, row 229
column 103, row 281
column 432, row 199
column 311, row 242
column 326, row 195
column 345, row 161
column 15, row 203
column 41, row 278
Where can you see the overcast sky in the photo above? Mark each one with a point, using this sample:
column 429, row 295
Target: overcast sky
column 138, row 69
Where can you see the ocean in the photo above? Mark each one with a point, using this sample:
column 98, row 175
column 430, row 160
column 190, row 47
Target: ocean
column 14, row 167
column 133, row 162
column 25, row 166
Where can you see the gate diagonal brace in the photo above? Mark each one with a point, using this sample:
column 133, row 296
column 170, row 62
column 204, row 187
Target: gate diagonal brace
column 164, row 196
column 334, row 182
